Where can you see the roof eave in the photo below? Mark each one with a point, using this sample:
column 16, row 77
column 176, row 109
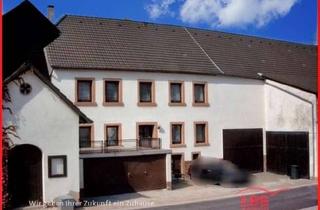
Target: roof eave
column 56, row 67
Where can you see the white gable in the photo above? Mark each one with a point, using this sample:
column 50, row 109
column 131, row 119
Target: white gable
column 43, row 119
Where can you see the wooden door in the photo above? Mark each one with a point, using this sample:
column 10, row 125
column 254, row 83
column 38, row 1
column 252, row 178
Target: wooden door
column 288, row 148
column 25, row 175
column 147, row 173
column 243, row 147
column 176, row 166
column 116, row 175
column 146, row 134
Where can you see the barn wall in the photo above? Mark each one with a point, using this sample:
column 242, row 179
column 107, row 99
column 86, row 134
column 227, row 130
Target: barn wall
column 291, row 109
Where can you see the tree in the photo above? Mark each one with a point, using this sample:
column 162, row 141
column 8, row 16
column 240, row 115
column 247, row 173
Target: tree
column 7, row 143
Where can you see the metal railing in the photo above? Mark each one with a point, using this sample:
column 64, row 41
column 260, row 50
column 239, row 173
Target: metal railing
column 105, row 146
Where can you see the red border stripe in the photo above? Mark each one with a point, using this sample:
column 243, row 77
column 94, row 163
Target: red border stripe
column 1, row 70
column 318, row 150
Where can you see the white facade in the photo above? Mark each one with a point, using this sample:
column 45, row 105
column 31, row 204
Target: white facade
column 42, row 119
column 290, row 109
column 234, row 103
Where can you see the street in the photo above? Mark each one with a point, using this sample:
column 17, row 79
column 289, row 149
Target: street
column 292, row 199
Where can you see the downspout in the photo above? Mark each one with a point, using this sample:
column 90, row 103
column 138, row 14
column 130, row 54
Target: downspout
column 50, row 69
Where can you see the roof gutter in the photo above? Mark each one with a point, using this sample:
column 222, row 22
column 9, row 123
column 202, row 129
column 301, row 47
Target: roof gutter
column 56, row 67
column 264, row 77
column 25, row 66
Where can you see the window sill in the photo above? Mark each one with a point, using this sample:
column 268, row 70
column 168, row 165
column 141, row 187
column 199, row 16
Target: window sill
column 146, row 104
column 177, row 145
column 201, row 144
column 85, row 103
column 177, row 104
column 200, row 104
column 114, row 146
column 113, row 104
column 57, row 176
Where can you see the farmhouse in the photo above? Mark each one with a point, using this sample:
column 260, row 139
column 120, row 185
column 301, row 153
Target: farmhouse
column 194, row 92
column 157, row 96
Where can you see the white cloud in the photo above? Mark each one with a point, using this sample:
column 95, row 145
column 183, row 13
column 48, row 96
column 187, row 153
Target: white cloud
column 160, row 8
column 223, row 13
column 194, row 11
column 234, row 13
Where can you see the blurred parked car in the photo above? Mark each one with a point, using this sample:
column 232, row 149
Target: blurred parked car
column 218, row 171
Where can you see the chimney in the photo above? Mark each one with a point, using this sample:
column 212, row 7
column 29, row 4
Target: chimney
column 51, row 12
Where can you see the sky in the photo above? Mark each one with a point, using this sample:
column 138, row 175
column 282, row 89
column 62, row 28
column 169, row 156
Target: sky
column 290, row 20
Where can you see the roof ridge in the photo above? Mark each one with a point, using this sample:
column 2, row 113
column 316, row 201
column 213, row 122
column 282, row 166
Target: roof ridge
column 285, row 42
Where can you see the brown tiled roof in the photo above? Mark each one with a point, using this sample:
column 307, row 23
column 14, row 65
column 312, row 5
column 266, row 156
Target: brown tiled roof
column 109, row 44
column 289, row 63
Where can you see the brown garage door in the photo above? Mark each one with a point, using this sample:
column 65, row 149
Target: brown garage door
column 243, row 147
column 106, row 176
column 288, row 148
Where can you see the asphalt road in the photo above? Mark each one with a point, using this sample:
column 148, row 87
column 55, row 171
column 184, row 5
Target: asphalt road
column 292, row 199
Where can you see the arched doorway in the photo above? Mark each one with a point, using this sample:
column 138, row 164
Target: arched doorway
column 25, row 175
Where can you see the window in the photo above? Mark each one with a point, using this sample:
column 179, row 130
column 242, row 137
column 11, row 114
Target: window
column 113, row 92
column 25, row 88
column 85, row 92
column 146, row 93
column 177, row 134
column 176, row 93
column 147, row 135
column 195, row 155
column 113, row 133
column 201, row 133
column 200, row 94
column 85, row 136
column 57, row 166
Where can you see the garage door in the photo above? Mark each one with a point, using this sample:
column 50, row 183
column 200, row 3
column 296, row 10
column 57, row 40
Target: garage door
column 106, row 176
column 243, row 147
column 288, row 148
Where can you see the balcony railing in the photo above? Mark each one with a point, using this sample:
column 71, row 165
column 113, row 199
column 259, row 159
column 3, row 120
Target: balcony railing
column 100, row 146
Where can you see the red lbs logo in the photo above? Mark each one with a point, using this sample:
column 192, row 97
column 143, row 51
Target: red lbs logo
column 257, row 201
